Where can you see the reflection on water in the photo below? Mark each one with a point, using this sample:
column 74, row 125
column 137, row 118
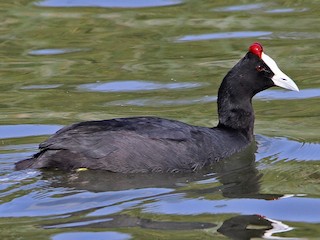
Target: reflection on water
column 279, row 149
column 107, row 3
column 162, row 102
column 223, row 35
column 257, row 35
column 257, row 8
column 287, row 95
column 253, row 226
column 43, row 52
column 92, row 235
column 128, row 221
column 268, row 95
column 286, row 10
column 47, row 86
column 134, row 85
column 101, row 197
column 25, row 130
column 244, row 7
column 46, row 203
column 65, row 61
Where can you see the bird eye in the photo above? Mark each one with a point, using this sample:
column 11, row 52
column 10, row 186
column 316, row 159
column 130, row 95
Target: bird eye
column 260, row 68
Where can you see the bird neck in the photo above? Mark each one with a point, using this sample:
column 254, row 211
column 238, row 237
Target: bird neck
column 235, row 111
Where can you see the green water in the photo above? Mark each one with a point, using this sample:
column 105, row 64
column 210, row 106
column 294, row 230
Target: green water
column 68, row 61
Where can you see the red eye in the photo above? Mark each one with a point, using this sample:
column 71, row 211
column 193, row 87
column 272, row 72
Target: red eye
column 260, row 68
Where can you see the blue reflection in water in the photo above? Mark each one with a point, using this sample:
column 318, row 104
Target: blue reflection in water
column 44, row 86
column 91, row 235
column 135, row 85
column 281, row 148
column 162, row 102
column 288, row 95
column 26, row 130
column 44, row 202
column 223, row 35
column 238, row 8
column 107, row 3
column 54, row 51
column 294, row 209
column 286, row 10
column 265, row 95
column 268, row 8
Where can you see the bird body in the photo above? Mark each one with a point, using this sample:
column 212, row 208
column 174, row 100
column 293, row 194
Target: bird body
column 138, row 144
column 151, row 144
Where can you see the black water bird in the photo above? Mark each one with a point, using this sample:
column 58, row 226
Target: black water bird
column 151, row 144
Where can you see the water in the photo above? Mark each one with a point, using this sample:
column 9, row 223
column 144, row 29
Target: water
column 68, row 61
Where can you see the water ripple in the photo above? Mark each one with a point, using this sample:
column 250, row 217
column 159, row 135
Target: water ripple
column 162, row 102
column 27, row 130
column 264, row 96
column 286, row 10
column 289, row 95
column 283, row 148
column 135, row 85
column 223, row 35
column 48, row 204
column 238, row 8
column 295, row 35
column 54, row 51
column 107, row 3
column 44, row 86
column 91, row 235
column 187, row 206
column 268, row 8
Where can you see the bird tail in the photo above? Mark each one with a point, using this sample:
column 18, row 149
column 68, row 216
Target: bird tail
column 24, row 164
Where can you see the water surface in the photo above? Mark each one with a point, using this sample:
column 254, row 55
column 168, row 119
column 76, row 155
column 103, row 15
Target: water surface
column 69, row 61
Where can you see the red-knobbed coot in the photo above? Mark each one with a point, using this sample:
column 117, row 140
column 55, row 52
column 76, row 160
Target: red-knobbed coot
column 151, row 144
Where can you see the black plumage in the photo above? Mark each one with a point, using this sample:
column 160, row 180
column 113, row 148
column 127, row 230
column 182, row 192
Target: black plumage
column 151, row 144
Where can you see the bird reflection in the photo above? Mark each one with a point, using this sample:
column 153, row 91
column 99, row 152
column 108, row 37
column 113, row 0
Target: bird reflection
column 124, row 221
column 246, row 227
column 238, row 176
column 242, row 227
